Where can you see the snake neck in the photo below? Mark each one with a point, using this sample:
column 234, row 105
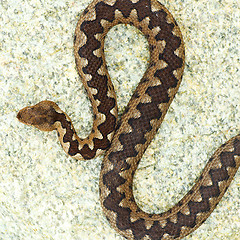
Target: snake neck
column 82, row 149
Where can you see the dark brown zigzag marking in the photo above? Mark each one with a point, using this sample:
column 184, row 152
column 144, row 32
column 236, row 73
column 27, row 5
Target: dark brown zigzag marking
column 140, row 126
column 104, row 11
column 149, row 111
column 98, row 82
column 113, row 180
column 158, row 94
column 86, row 152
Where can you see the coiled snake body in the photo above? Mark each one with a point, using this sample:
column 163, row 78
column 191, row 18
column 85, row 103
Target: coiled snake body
column 139, row 123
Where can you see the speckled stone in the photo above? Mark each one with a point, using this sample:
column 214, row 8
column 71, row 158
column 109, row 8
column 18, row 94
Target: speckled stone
column 46, row 195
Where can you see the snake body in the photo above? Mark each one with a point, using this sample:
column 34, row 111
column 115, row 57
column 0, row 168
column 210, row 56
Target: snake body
column 139, row 123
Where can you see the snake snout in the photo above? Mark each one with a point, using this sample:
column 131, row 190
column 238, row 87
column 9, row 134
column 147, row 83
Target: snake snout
column 25, row 116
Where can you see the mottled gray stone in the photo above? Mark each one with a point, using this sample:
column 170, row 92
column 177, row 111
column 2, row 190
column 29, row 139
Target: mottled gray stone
column 46, row 195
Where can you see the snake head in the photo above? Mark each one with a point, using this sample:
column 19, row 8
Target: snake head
column 42, row 115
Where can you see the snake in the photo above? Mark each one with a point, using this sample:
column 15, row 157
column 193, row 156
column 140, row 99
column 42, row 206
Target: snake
column 125, row 141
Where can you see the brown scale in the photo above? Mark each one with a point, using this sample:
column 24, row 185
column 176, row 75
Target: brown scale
column 138, row 125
